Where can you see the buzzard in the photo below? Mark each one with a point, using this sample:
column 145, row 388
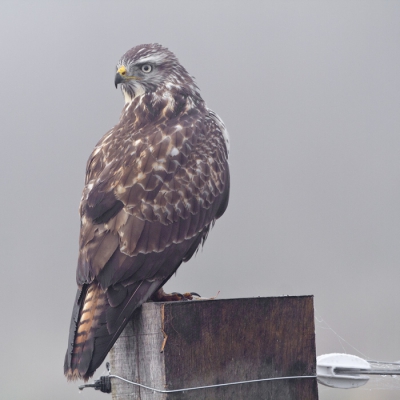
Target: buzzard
column 155, row 183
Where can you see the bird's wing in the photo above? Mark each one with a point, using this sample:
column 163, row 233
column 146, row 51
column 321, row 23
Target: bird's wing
column 162, row 188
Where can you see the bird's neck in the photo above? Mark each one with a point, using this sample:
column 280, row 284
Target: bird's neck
column 160, row 105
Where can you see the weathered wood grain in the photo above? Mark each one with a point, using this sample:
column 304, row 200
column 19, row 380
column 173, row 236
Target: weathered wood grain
column 219, row 341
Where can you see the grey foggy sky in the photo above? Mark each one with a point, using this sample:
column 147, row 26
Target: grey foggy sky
column 310, row 94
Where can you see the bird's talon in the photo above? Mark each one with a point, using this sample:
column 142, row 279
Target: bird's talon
column 161, row 296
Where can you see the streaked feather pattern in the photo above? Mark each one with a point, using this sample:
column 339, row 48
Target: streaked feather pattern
column 154, row 185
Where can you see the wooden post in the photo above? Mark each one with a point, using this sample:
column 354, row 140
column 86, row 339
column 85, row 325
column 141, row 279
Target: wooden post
column 197, row 343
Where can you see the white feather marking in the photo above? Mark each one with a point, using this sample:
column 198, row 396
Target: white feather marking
column 170, row 101
column 120, row 189
column 170, row 85
column 153, row 58
column 189, row 103
column 128, row 99
column 96, row 150
column 174, row 152
column 139, row 91
column 158, row 167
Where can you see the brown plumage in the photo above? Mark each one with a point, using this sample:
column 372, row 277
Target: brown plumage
column 154, row 185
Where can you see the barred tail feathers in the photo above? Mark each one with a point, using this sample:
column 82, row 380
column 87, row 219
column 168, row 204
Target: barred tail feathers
column 88, row 315
column 98, row 319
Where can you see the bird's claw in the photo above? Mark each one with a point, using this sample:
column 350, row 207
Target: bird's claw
column 185, row 296
column 161, row 296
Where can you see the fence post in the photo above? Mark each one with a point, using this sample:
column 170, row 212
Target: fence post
column 189, row 344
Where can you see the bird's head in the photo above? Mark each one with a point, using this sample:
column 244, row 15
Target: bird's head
column 149, row 68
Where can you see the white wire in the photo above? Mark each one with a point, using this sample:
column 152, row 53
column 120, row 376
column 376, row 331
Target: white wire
column 210, row 386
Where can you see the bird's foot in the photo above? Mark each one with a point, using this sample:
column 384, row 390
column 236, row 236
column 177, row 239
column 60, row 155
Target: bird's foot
column 161, row 296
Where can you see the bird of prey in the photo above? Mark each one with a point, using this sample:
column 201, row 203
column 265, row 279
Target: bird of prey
column 155, row 183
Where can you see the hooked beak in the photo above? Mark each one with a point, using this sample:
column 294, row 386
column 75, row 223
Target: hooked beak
column 118, row 79
column 121, row 76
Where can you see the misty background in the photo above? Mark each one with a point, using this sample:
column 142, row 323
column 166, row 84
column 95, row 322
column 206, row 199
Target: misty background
column 310, row 94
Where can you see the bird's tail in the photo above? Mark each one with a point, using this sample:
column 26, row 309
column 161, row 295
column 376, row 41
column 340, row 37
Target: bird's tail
column 97, row 320
column 89, row 309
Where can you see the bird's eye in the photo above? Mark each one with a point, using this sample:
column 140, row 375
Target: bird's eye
column 146, row 68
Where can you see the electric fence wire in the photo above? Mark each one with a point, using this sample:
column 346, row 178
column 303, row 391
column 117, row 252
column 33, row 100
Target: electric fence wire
column 104, row 385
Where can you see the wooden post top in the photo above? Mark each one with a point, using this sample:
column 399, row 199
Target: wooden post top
column 188, row 344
